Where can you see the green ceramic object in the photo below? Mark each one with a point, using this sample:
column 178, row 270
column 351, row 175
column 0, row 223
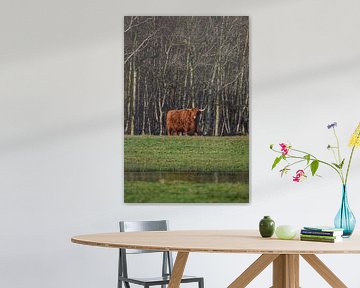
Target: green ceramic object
column 285, row 232
column 266, row 226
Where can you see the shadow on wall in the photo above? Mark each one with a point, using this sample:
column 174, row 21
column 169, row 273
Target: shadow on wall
column 56, row 134
column 25, row 36
column 308, row 75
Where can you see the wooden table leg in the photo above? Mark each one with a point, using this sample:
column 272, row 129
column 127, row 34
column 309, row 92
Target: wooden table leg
column 286, row 271
column 253, row 270
column 324, row 271
column 178, row 270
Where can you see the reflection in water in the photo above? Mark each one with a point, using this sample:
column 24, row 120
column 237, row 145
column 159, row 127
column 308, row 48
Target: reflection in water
column 198, row 177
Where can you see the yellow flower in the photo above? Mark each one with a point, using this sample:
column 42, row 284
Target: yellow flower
column 355, row 137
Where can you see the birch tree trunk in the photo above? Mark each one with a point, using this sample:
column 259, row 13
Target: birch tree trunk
column 132, row 132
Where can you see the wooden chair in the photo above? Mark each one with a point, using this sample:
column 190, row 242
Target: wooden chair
column 167, row 262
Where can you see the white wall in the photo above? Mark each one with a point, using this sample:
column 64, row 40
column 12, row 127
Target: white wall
column 61, row 143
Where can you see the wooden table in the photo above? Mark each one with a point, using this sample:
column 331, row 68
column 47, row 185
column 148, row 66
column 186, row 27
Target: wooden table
column 284, row 254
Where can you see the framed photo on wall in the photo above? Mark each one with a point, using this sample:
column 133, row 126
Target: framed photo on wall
column 186, row 114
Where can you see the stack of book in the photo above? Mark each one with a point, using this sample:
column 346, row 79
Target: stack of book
column 321, row 234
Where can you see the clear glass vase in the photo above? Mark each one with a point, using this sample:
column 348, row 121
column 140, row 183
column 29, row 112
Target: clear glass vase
column 345, row 219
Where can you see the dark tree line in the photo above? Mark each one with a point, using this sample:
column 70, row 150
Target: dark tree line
column 185, row 62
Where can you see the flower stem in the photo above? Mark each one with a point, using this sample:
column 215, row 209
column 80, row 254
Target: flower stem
column 338, row 146
column 312, row 159
column 338, row 171
column 348, row 167
column 339, row 156
column 333, row 152
column 304, row 152
column 320, row 161
column 296, row 162
column 351, row 155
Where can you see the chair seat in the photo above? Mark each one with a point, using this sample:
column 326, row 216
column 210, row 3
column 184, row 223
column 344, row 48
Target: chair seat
column 158, row 280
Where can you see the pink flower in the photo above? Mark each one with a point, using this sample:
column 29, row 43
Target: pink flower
column 284, row 148
column 300, row 174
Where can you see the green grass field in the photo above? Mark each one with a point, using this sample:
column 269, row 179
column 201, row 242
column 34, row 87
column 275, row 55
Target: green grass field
column 190, row 155
column 181, row 153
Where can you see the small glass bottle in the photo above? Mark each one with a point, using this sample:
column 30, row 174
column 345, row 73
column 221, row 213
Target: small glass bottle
column 266, row 226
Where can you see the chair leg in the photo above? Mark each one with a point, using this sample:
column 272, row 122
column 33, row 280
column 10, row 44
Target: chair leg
column 201, row 283
column 126, row 284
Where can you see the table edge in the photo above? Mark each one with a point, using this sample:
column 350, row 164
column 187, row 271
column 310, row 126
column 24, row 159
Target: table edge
column 205, row 250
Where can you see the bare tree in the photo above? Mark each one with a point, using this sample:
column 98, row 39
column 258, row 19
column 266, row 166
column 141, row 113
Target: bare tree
column 185, row 62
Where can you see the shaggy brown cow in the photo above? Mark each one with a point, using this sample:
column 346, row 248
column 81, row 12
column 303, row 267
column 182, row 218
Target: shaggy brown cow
column 183, row 121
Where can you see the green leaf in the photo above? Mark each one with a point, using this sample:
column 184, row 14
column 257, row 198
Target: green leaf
column 314, row 166
column 307, row 157
column 336, row 165
column 271, row 146
column 342, row 163
column 339, row 166
column 276, row 161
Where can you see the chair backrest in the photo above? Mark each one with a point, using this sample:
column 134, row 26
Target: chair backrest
column 134, row 226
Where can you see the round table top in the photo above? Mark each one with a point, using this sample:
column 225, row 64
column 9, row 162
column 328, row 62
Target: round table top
column 219, row 241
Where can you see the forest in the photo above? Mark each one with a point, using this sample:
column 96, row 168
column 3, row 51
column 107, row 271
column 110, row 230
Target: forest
column 183, row 62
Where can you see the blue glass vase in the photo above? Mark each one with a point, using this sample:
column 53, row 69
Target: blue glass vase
column 345, row 219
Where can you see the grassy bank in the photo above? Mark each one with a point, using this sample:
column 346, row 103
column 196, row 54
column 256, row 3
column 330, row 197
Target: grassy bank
column 180, row 153
column 196, row 158
column 185, row 192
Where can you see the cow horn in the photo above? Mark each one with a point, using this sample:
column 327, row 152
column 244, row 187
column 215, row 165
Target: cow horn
column 202, row 110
